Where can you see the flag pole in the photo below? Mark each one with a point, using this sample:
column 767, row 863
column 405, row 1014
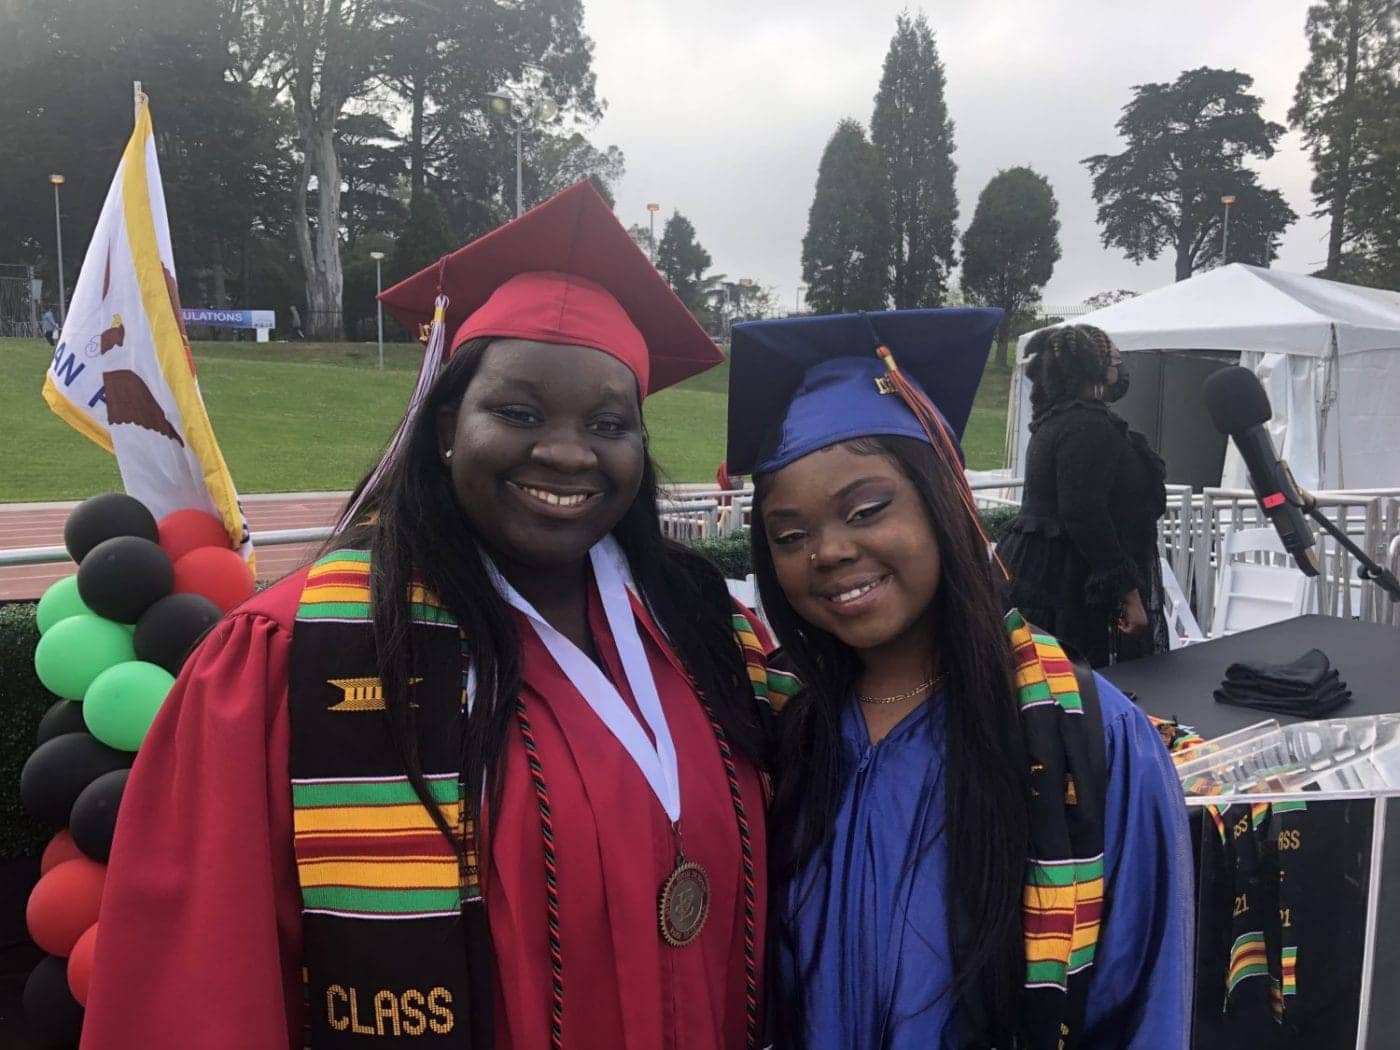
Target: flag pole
column 136, row 96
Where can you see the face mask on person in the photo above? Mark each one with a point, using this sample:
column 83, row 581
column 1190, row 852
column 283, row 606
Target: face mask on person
column 1116, row 390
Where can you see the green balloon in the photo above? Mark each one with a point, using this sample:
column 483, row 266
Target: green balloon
column 76, row 650
column 60, row 602
column 122, row 702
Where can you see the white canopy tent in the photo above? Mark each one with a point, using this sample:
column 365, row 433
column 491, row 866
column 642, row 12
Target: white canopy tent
column 1327, row 353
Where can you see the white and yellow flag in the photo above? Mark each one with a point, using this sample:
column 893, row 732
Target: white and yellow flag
column 122, row 373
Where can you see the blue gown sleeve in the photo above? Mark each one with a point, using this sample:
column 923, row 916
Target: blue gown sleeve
column 1140, row 993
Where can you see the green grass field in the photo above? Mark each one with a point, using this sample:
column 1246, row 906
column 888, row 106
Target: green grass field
column 299, row 417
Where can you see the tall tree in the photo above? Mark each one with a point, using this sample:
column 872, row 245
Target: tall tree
column 846, row 247
column 372, row 168
column 323, row 53
column 1375, row 256
column 555, row 161
column 443, row 58
column 1010, row 250
column 1187, row 142
column 221, row 141
column 683, row 261
column 914, row 135
column 1343, row 92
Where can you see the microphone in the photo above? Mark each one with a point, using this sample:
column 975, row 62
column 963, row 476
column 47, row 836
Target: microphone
column 1239, row 407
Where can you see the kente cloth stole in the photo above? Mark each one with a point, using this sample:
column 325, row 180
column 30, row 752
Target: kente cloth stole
column 396, row 949
column 1062, row 902
column 1257, row 841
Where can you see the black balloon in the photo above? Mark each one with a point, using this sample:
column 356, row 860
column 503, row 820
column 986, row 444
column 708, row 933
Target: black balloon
column 94, row 815
column 65, row 716
column 53, row 1016
column 123, row 577
column 56, row 773
column 169, row 629
column 105, row 516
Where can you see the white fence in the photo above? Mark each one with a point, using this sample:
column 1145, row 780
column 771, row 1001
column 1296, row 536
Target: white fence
column 1190, row 536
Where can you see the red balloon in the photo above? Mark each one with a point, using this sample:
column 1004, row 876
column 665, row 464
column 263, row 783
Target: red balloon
column 184, row 530
column 64, row 904
column 60, row 848
column 218, row 573
column 80, row 964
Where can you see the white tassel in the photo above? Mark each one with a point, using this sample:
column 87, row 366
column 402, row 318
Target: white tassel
column 427, row 374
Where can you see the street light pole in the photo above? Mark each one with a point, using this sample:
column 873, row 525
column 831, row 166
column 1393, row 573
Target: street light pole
column 652, row 209
column 796, row 298
column 1226, row 200
column 378, row 258
column 519, row 167
column 522, row 107
column 57, row 181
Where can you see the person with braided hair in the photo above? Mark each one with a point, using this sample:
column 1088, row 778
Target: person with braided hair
column 975, row 842
column 488, row 775
column 1082, row 551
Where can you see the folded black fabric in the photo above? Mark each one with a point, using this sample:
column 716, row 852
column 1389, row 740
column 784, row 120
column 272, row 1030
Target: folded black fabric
column 1303, row 674
column 1265, row 688
column 1308, row 687
column 1311, row 707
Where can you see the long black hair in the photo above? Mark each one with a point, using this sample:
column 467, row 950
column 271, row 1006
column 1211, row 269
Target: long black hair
column 414, row 529
column 987, row 818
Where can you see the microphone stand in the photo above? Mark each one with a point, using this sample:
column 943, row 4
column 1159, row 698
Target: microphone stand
column 1368, row 568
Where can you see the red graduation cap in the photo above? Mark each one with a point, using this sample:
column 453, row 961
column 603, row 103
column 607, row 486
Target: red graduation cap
column 565, row 272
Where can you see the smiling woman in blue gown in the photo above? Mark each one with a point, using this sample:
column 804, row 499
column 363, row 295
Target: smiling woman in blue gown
column 974, row 843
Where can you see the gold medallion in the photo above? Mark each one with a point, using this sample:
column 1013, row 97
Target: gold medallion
column 685, row 903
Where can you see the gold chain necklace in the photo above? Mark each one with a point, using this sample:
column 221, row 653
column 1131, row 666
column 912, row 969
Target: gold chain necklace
column 923, row 687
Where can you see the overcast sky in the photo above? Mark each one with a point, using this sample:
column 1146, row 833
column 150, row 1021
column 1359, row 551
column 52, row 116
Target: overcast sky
column 723, row 108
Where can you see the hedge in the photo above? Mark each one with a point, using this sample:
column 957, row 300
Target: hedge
column 23, row 700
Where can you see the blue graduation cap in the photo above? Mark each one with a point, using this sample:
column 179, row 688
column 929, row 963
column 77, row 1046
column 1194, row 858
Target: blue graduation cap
column 800, row 384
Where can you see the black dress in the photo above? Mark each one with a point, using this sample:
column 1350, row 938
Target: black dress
column 1086, row 534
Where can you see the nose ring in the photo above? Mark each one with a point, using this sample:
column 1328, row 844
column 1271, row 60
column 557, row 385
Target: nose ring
column 812, row 557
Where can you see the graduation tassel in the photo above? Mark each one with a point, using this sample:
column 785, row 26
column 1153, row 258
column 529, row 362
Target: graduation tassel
column 942, row 441
column 427, row 375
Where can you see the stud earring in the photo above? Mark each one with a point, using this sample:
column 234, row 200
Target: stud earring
column 447, row 453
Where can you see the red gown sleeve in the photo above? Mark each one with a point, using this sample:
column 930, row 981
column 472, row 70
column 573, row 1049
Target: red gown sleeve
column 199, row 936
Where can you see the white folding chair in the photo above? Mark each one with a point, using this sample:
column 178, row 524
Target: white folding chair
column 1257, row 584
column 1182, row 628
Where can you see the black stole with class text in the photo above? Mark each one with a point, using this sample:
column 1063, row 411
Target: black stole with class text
column 396, row 946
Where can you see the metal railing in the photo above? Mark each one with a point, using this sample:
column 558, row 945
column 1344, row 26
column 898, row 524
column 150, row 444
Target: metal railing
column 1190, row 536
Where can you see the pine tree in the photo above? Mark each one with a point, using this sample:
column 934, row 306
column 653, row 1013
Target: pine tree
column 683, row 261
column 1187, row 142
column 845, row 250
column 1010, row 250
column 1346, row 91
column 914, row 135
column 1375, row 257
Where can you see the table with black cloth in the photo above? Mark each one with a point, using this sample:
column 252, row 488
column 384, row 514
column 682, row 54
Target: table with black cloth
column 1333, row 918
column 1181, row 684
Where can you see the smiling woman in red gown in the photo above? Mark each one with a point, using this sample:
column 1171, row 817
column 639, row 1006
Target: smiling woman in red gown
column 487, row 774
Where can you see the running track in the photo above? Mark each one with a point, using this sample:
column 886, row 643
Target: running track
column 41, row 525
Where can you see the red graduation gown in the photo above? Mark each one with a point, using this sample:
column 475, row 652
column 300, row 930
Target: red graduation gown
column 199, row 943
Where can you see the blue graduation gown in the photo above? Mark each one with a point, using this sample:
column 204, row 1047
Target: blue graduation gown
column 867, row 947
